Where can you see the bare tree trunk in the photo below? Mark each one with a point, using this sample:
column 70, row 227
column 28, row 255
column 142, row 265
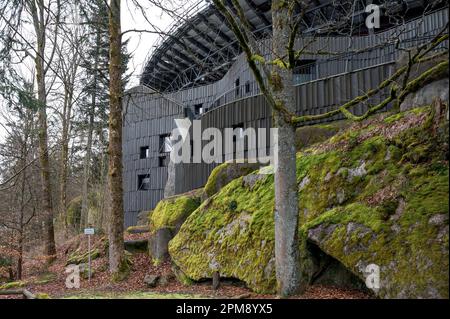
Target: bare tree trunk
column 20, row 258
column 117, row 264
column 21, row 219
column 86, row 169
column 64, row 155
column 47, row 207
column 286, row 196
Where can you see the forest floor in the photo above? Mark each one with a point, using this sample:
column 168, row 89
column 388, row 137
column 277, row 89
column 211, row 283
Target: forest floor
column 52, row 281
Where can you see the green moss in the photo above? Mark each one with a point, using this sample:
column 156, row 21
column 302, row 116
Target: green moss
column 42, row 296
column 225, row 173
column 45, row 278
column 79, row 257
column 172, row 210
column 214, row 232
column 370, row 202
column 393, row 118
column 12, row 285
column 258, row 58
column 137, row 229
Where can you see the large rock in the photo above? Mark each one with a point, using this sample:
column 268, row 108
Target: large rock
column 309, row 135
column 426, row 95
column 151, row 280
column 225, row 173
column 166, row 219
column 374, row 194
column 158, row 244
column 142, row 219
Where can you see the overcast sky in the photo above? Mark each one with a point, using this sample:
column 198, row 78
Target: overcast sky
column 140, row 45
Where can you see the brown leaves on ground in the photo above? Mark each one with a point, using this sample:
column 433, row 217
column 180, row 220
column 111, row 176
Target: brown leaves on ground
column 141, row 266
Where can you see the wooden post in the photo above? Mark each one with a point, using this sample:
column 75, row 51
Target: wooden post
column 216, row 280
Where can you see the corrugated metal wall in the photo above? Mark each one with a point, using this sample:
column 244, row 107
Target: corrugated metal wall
column 146, row 118
column 148, row 115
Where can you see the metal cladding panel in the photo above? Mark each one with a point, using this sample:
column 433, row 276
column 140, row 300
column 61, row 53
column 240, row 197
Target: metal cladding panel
column 336, row 81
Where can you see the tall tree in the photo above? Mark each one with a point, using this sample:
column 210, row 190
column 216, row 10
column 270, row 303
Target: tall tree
column 117, row 263
column 41, row 13
column 96, row 98
column 68, row 50
column 16, row 153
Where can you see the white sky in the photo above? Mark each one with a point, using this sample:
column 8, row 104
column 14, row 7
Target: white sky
column 140, row 45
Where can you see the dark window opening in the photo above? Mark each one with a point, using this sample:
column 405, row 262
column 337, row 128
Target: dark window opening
column 164, row 161
column 237, row 85
column 238, row 131
column 144, row 182
column 165, row 144
column 238, row 134
column 145, row 152
column 247, row 87
column 198, row 109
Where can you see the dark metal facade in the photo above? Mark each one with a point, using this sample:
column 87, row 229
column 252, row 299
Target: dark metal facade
column 335, row 80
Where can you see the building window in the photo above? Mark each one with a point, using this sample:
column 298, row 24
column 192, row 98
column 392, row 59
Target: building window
column 198, row 109
column 237, row 86
column 145, row 152
column 238, row 131
column 163, row 160
column 247, row 87
column 165, row 144
column 304, row 71
column 144, row 182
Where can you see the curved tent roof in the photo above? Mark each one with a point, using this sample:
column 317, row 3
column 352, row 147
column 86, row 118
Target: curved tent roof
column 201, row 48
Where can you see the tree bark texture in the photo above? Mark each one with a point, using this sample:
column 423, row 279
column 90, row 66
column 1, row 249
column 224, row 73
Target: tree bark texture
column 116, row 219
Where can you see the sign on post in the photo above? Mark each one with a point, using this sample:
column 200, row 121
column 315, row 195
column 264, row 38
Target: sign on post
column 89, row 232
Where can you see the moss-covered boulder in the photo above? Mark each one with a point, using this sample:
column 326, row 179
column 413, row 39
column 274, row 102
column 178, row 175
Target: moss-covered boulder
column 80, row 257
column 172, row 212
column 13, row 285
column 225, row 173
column 166, row 219
column 312, row 134
column 77, row 249
column 374, row 194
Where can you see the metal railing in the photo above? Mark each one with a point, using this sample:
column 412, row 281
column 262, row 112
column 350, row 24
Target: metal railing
column 311, row 72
